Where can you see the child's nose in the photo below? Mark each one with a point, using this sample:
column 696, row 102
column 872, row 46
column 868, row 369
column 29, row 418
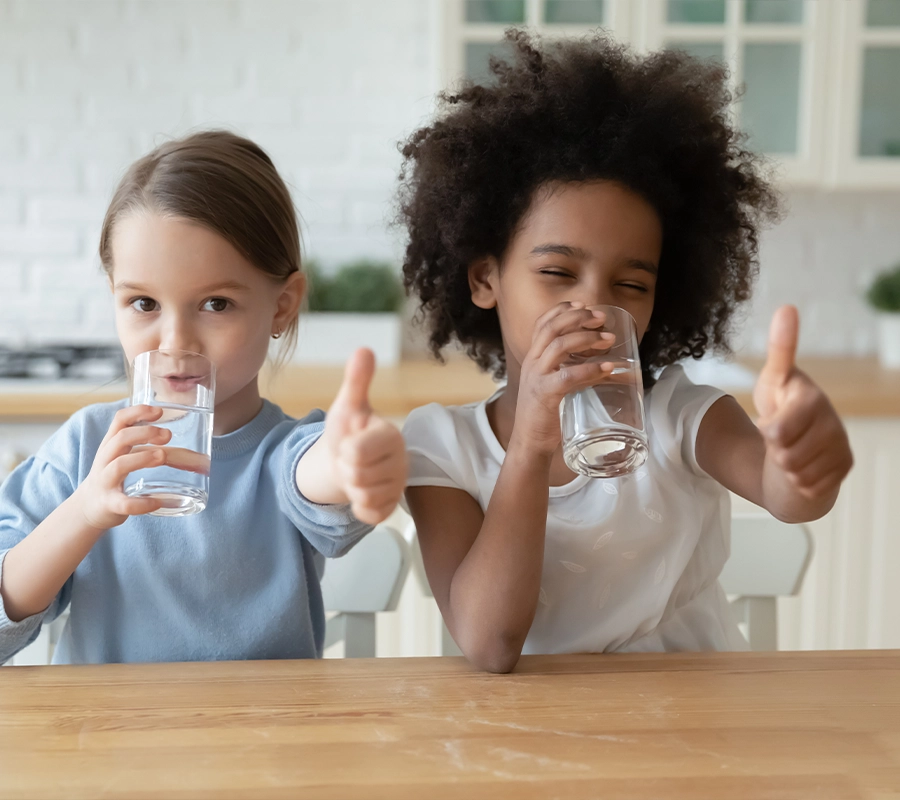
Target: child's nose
column 178, row 334
column 595, row 298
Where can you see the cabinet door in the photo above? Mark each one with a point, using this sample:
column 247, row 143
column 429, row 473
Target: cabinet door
column 474, row 28
column 850, row 596
column 866, row 114
column 775, row 52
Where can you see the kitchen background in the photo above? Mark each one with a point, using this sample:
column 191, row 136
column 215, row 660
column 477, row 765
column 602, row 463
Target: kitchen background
column 328, row 88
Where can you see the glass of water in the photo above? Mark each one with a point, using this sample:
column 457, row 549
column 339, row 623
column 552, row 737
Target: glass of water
column 183, row 384
column 603, row 429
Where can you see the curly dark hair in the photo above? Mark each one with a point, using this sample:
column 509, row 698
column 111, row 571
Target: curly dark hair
column 582, row 110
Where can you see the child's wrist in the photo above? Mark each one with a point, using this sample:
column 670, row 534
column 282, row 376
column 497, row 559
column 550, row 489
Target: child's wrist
column 529, row 450
column 77, row 504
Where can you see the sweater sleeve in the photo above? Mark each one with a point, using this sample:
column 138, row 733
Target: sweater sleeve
column 27, row 497
column 330, row 529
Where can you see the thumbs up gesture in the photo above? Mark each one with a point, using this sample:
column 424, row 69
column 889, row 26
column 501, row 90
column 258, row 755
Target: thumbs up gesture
column 803, row 434
column 367, row 454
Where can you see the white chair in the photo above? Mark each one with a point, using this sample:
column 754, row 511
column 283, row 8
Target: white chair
column 367, row 580
column 768, row 560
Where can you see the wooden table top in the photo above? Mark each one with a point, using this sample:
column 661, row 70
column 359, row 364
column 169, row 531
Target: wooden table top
column 857, row 387
column 730, row 725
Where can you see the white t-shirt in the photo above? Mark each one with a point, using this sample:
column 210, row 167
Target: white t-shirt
column 630, row 563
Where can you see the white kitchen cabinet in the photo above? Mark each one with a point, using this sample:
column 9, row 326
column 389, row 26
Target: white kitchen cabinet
column 473, row 29
column 851, row 596
column 816, row 80
column 777, row 50
column 864, row 118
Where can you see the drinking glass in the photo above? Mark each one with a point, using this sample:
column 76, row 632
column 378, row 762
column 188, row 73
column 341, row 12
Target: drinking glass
column 183, row 385
column 603, row 429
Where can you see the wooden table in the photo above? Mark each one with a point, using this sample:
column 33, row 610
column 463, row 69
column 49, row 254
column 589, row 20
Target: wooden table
column 789, row 725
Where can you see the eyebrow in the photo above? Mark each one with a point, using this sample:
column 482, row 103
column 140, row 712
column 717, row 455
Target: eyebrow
column 577, row 252
column 646, row 266
column 233, row 286
column 559, row 250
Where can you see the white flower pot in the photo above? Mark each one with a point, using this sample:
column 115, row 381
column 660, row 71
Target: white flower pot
column 889, row 340
column 327, row 338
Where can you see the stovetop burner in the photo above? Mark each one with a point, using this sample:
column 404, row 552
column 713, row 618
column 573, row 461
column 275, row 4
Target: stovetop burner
column 62, row 362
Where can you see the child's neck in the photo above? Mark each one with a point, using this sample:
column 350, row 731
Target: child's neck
column 501, row 415
column 237, row 410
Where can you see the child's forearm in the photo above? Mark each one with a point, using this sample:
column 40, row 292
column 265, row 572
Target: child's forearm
column 37, row 567
column 315, row 476
column 494, row 591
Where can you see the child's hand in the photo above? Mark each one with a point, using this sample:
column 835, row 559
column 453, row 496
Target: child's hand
column 803, row 434
column 368, row 454
column 566, row 329
column 101, row 499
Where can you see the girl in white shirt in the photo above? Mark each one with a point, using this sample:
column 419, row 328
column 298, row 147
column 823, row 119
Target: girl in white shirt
column 584, row 175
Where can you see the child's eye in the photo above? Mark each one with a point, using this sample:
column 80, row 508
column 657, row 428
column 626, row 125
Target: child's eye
column 635, row 286
column 216, row 304
column 144, row 304
column 557, row 272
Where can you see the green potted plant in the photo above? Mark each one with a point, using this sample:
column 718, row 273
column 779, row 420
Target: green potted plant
column 357, row 305
column 884, row 296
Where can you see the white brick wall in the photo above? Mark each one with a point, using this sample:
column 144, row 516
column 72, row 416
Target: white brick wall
column 87, row 87
column 328, row 87
column 822, row 258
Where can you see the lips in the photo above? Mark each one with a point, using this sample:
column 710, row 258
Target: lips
column 183, row 383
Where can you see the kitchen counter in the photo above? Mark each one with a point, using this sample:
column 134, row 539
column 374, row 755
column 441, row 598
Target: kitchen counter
column 858, row 387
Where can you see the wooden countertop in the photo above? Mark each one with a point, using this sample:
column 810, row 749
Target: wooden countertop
column 723, row 726
column 857, row 387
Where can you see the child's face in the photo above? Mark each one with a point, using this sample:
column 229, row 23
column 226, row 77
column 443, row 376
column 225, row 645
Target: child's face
column 597, row 243
column 177, row 285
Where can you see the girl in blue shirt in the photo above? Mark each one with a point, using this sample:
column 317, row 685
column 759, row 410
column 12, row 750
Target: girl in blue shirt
column 202, row 250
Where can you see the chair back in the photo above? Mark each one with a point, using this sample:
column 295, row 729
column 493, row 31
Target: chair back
column 769, row 559
column 365, row 581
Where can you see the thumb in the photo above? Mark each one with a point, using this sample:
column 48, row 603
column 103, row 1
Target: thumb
column 354, row 392
column 784, row 332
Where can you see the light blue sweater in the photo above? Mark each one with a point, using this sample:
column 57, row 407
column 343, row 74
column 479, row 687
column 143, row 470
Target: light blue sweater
column 238, row 581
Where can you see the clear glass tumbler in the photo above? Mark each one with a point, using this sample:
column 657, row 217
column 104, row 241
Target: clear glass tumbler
column 603, row 429
column 183, row 384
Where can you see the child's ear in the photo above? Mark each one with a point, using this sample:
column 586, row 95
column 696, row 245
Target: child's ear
column 482, row 279
column 288, row 305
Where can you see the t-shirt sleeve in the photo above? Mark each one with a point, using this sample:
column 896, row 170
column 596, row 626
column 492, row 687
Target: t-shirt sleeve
column 330, row 529
column 434, row 447
column 29, row 494
column 675, row 411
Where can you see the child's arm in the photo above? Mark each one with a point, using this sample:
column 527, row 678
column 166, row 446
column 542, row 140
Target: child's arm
column 485, row 569
column 792, row 462
column 35, row 569
column 360, row 458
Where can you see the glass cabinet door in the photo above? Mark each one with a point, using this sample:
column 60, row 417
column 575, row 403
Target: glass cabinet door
column 774, row 51
column 866, row 116
column 475, row 28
